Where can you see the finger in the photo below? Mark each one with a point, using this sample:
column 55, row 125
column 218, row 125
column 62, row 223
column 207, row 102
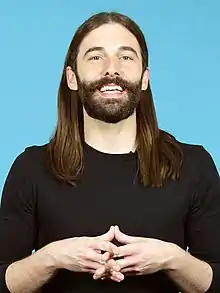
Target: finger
column 129, row 271
column 103, row 274
column 98, row 257
column 128, row 261
column 105, row 246
column 123, row 238
column 111, row 265
column 92, row 255
column 108, row 236
column 117, row 276
column 99, row 273
column 92, row 265
column 127, row 250
column 107, row 256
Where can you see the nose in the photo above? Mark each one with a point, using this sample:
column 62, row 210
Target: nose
column 112, row 68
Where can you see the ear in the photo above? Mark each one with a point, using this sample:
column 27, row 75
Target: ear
column 71, row 79
column 145, row 80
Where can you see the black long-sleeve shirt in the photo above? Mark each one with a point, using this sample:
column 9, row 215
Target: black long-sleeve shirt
column 37, row 209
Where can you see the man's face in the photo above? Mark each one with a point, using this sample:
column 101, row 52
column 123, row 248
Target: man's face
column 109, row 73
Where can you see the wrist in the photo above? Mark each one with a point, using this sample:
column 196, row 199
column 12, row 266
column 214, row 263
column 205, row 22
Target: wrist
column 176, row 257
column 48, row 257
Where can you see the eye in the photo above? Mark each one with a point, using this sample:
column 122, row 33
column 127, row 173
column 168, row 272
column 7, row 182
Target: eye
column 126, row 58
column 95, row 58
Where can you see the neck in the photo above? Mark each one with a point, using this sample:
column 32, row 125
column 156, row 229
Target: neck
column 118, row 138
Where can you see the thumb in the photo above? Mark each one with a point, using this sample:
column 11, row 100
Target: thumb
column 123, row 238
column 108, row 236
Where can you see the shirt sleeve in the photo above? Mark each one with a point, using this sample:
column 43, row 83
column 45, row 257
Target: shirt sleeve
column 17, row 219
column 202, row 232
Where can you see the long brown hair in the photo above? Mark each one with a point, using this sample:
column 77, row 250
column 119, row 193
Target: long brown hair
column 159, row 154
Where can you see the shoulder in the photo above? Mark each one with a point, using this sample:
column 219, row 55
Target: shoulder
column 194, row 151
column 31, row 159
column 23, row 175
column 198, row 161
column 195, row 157
column 35, row 152
column 32, row 153
column 196, row 154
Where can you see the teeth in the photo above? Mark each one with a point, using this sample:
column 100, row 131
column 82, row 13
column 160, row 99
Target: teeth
column 111, row 88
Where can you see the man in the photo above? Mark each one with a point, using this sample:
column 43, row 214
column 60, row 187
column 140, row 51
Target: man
column 112, row 203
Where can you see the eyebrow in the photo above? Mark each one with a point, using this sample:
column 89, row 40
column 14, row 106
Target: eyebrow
column 92, row 49
column 128, row 48
column 102, row 49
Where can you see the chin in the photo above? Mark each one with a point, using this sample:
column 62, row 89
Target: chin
column 109, row 117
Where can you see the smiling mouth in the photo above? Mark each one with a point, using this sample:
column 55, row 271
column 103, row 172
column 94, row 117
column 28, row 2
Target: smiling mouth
column 111, row 89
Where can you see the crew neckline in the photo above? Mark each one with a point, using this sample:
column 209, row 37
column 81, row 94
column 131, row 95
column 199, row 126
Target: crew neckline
column 91, row 149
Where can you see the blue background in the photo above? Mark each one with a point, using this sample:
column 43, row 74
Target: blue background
column 184, row 44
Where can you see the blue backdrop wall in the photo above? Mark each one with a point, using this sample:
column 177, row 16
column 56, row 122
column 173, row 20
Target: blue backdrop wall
column 184, row 45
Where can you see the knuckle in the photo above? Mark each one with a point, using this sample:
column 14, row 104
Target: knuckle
column 84, row 269
column 137, row 269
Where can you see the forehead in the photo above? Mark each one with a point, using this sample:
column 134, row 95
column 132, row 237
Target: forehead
column 109, row 36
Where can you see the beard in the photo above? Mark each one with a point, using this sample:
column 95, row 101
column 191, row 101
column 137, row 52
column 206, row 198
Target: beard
column 110, row 109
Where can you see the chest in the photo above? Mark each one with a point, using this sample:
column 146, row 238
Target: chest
column 105, row 198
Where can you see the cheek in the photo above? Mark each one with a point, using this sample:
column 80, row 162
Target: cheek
column 91, row 72
column 131, row 74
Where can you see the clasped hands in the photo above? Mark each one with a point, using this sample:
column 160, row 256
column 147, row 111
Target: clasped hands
column 135, row 256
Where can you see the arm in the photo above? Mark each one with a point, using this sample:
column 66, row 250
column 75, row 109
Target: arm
column 20, row 270
column 199, row 270
column 30, row 274
column 189, row 273
column 18, row 227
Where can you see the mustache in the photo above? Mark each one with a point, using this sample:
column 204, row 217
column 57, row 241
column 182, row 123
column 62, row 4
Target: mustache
column 117, row 80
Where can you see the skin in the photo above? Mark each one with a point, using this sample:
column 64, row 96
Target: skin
column 139, row 256
column 111, row 60
column 78, row 254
